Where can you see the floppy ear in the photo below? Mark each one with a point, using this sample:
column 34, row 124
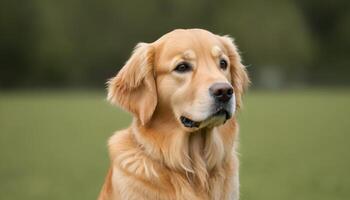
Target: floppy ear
column 239, row 75
column 134, row 87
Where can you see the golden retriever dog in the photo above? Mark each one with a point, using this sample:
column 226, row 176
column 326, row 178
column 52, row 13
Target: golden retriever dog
column 184, row 91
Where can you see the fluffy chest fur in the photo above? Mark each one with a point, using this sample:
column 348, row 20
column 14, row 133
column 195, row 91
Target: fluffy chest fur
column 201, row 165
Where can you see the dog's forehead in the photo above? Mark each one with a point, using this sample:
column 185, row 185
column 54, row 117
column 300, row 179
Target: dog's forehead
column 197, row 41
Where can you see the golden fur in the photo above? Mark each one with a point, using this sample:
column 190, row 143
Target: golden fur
column 157, row 157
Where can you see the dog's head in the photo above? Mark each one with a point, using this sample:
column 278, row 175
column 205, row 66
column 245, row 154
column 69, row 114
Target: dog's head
column 193, row 77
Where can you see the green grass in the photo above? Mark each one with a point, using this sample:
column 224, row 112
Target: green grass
column 294, row 145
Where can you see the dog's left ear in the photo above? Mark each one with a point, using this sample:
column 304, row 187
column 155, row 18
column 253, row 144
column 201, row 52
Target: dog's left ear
column 239, row 75
column 134, row 87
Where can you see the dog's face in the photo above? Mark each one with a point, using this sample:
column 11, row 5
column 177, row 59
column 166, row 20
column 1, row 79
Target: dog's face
column 193, row 75
column 193, row 78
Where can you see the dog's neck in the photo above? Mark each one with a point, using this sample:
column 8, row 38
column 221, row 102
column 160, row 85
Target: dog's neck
column 195, row 154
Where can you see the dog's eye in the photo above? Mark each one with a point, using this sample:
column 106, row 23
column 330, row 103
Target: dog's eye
column 183, row 67
column 223, row 64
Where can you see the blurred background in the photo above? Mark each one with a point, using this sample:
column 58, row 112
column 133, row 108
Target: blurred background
column 57, row 55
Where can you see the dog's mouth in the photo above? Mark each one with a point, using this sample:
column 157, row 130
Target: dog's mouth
column 189, row 123
column 220, row 113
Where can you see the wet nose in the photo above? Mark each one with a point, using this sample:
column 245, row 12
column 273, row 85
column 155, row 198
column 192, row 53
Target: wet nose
column 222, row 92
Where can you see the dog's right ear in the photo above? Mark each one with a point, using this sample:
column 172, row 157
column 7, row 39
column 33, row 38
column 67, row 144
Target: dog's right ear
column 134, row 87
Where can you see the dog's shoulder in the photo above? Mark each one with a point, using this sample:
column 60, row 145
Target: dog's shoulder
column 119, row 141
column 129, row 156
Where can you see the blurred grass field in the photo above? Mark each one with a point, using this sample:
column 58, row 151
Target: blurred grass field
column 294, row 145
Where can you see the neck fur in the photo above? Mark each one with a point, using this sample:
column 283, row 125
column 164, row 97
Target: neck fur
column 194, row 154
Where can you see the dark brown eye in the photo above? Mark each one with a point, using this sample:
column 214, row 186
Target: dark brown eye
column 183, row 67
column 223, row 64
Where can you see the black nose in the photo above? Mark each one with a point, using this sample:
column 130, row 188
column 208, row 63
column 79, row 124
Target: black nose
column 222, row 92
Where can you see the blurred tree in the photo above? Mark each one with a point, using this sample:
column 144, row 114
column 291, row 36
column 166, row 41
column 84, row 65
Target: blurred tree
column 329, row 22
column 17, row 42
